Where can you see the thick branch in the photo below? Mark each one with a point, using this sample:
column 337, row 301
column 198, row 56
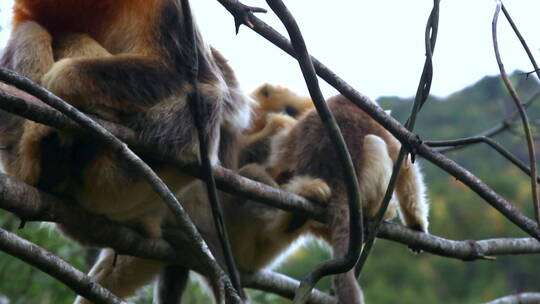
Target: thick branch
column 464, row 250
column 56, row 267
column 32, row 204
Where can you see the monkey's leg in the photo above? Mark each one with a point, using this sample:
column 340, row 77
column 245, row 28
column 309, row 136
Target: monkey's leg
column 75, row 45
column 171, row 285
column 29, row 155
column 410, row 190
column 375, row 176
column 112, row 80
column 29, row 51
column 124, row 278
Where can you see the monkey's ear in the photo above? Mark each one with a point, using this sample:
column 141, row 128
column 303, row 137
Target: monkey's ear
column 264, row 91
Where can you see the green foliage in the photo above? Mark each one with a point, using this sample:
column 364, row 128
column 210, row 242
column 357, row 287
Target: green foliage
column 392, row 274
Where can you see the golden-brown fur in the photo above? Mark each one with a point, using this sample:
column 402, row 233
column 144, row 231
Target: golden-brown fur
column 277, row 108
column 276, row 99
column 123, row 60
column 305, row 151
column 259, row 234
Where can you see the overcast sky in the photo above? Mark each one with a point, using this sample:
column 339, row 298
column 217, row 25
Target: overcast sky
column 377, row 46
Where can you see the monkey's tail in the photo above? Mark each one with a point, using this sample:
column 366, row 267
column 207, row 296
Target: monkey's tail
column 345, row 284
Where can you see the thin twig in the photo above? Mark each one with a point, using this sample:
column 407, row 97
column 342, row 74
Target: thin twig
column 523, row 114
column 197, row 108
column 56, row 267
column 506, row 124
column 489, row 141
column 422, row 95
column 522, row 40
column 337, row 264
column 100, row 133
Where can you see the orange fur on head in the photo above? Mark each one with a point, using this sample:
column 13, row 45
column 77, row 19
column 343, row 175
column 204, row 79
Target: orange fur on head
column 86, row 16
column 276, row 99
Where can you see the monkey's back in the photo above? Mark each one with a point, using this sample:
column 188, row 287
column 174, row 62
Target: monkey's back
column 313, row 149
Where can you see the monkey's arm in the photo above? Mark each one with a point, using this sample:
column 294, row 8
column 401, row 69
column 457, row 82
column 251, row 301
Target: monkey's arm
column 116, row 81
column 28, row 51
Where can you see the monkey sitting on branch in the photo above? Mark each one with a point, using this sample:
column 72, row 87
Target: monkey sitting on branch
column 304, row 153
column 261, row 234
column 125, row 61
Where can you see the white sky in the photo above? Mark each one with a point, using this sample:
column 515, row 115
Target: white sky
column 376, row 46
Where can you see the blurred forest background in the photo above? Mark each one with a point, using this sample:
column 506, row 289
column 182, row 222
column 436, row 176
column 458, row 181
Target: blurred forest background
column 393, row 274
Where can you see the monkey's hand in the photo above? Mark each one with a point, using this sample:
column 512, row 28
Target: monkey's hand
column 275, row 122
column 314, row 189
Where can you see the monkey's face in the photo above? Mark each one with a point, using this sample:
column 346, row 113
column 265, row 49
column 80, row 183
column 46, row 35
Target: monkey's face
column 277, row 99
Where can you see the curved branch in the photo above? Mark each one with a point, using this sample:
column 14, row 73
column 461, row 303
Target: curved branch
column 339, row 264
column 522, row 40
column 56, row 267
column 197, row 108
column 489, row 141
column 421, row 97
column 522, row 113
column 506, row 124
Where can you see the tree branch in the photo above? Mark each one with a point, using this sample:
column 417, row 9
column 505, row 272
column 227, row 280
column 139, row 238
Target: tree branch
column 56, row 267
column 197, row 108
column 522, row 113
column 467, row 250
column 490, row 142
column 339, row 264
